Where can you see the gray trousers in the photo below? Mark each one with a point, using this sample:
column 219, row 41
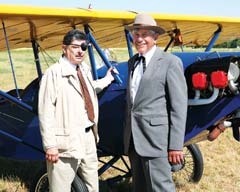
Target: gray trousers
column 150, row 174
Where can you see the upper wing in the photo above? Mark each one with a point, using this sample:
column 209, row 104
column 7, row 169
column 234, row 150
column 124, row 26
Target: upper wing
column 47, row 26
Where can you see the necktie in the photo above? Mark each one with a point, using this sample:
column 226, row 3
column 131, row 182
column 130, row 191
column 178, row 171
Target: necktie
column 143, row 63
column 86, row 95
column 138, row 61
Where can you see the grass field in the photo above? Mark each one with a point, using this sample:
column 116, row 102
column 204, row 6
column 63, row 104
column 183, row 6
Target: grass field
column 221, row 170
column 221, row 157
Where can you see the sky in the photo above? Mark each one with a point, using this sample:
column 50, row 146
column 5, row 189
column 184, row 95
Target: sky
column 225, row 8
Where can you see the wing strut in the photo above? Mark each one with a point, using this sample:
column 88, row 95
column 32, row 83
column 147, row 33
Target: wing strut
column 36, row 57
column 10, row 59
column 214, row 38
column 35, row 46
column 90, row 51
column 101, row 54
column 129, row 42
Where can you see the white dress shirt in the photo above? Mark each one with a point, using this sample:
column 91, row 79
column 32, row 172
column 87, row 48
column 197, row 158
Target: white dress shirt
column 138, row 72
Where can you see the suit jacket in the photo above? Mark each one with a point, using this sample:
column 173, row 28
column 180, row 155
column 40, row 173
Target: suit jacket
column 61, row 108
column 156, row 119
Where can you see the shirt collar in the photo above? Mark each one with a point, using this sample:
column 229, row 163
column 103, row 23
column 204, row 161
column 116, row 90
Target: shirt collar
column 65, row 60
column 67, row 67
column 149, row 54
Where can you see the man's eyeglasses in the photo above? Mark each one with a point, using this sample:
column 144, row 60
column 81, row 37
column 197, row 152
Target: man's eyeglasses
column 137, row 33
column 83, row 46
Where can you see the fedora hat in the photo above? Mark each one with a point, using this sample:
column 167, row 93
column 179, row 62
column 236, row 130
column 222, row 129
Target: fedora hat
column 145, row 21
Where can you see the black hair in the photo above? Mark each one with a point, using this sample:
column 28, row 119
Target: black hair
column 72, row 35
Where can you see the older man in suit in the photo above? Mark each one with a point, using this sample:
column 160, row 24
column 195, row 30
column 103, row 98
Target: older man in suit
column 156, row 110
column 68, row 116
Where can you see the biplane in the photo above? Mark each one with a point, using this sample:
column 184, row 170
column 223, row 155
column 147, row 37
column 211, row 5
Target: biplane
column 212, row 78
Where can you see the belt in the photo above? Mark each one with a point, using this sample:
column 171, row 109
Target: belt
column 88, row 129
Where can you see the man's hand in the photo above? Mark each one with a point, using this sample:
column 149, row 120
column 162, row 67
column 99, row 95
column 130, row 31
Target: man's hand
column 52, row 154
column 175, row 157
column 110, row 73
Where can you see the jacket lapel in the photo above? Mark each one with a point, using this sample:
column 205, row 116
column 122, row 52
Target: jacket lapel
column 68, row 72
column 148, row 73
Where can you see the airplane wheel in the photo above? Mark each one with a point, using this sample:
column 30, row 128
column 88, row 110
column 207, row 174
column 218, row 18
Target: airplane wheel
column 78, row 185
column 41, row 183
column 192, row 169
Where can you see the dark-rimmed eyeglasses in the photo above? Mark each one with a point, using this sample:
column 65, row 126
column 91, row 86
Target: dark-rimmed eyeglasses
column 83, row 46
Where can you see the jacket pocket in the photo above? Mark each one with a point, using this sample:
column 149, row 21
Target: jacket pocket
column 159, row 120
column 63, row 141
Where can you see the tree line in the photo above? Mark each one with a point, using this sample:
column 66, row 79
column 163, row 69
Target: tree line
column 229, row 44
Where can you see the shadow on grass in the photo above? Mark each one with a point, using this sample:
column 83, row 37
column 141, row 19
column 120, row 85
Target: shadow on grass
column 19, row 170
column 120, row 186
column 26, row 171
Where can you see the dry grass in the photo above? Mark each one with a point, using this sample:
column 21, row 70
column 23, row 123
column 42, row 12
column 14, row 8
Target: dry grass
column 221, row 164
column 221, row 170
column 221, row 157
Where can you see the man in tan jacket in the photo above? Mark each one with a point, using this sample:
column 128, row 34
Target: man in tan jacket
column 69, row 137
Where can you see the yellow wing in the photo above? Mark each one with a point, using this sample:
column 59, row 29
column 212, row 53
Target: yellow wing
column 48, row 25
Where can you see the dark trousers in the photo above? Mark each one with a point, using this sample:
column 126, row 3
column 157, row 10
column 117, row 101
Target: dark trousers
column 150, row 174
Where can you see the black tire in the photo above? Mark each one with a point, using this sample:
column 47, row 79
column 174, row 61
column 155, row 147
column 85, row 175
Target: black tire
column 40, row 183
column 192, row 169
column 78, row 185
